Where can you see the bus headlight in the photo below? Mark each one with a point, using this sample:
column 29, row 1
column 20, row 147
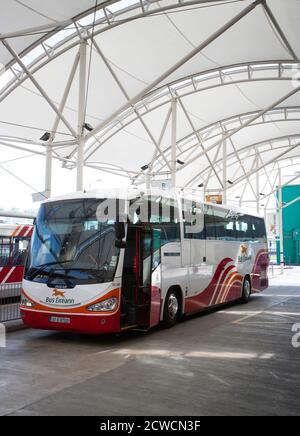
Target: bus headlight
column 104, row 306
column 26, row 302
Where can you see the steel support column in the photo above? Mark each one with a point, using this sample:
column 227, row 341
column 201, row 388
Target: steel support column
column 81, row 114
column 174, row 143
column 48, row 172
column 49, row 147
column 225, row 171
column 257, row 183
column 280, row 221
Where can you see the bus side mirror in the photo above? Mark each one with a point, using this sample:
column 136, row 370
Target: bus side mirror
column 120, row 231
column 120, row 235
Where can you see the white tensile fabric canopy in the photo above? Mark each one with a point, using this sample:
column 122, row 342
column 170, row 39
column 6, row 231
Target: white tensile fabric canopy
column 218, row 79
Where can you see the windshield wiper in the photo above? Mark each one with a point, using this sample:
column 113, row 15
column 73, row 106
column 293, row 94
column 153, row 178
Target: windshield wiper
column 95, row 273
column 41, row 268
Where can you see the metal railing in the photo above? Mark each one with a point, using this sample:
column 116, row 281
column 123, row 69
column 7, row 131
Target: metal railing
column 10, row 295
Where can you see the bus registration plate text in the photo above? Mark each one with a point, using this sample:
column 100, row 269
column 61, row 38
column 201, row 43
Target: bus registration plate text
column 59, row 320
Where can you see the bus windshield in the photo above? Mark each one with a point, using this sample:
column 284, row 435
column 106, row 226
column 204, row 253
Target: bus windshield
column 70, row 246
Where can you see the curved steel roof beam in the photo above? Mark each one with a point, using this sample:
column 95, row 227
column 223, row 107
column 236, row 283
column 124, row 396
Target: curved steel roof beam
column 262, row 153
column 243, row 126
column 196, row 179
column 177, row 65
column 275, row 159
column 278, row 66
column 204, row 173
column 270, row 141
column 289, row 163
column 104, row 21
column 236, row 118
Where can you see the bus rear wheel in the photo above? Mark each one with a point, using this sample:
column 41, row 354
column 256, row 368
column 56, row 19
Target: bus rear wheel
column 171, row 309
column 246, row 290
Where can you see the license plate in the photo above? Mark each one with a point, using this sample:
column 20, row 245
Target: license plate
column 59, row 320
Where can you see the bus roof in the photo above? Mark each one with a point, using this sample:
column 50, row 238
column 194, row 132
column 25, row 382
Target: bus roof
column 133, row 193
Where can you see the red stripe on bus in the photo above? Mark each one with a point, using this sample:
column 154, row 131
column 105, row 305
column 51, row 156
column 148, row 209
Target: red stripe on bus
column 221, row 283
column 202, row 300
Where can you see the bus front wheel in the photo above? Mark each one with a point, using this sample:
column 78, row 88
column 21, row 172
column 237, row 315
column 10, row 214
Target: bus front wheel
column 171, row 309
column 246, row 290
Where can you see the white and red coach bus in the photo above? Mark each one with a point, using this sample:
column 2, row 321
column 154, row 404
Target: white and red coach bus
column 14, row 243
column 85, row 274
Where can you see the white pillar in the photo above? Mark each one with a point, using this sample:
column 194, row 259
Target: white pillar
column 225, row 171
column 257, row 184
column 48, row 172
column 280, row 221
column 174, row 142
column 265, row 215
column 204, row 192
column 81, row 115
column 148, row 180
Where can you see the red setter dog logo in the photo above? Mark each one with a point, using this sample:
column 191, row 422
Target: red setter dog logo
column 244, row 250
column 57, row 293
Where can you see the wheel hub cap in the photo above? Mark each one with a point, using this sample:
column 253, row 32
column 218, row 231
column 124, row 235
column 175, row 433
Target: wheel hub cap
column 173, row 306
column 247, row 289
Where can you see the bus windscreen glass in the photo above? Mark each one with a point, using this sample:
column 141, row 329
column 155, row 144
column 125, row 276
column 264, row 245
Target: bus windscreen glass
column 70, row 246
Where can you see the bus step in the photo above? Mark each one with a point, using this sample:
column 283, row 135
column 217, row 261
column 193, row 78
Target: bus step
column 140, row 329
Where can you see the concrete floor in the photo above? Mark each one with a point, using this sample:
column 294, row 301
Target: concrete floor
column 238, row 360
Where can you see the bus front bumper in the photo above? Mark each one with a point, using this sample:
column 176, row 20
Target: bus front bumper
column 87, row 324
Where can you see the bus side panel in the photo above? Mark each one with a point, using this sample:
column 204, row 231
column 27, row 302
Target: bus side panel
column 228, row 273
column 156, row 303
column 200, row 272
column 213, row 293
column 175, row 267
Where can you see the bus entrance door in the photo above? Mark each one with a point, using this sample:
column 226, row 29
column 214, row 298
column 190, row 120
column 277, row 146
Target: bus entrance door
column 141, row 278
column 155, row 278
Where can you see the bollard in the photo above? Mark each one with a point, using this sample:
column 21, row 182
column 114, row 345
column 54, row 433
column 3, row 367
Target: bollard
column 2, row 336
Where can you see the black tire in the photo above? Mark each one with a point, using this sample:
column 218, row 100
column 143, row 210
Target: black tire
column 246, row 291
column 171, row 309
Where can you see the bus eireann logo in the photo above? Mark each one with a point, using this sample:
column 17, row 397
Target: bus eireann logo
column 244, row 256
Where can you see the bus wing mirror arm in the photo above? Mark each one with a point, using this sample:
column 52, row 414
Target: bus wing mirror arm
column 120, row 243
column 120, row 235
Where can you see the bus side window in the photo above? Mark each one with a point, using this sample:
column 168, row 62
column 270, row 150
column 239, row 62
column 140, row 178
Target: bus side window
column 244, row 228
column 225, row 224
column 193, row 216
column 162, row 210
column 210, row 228
column 259, row 230
column 4, row 251
column 171, row 233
